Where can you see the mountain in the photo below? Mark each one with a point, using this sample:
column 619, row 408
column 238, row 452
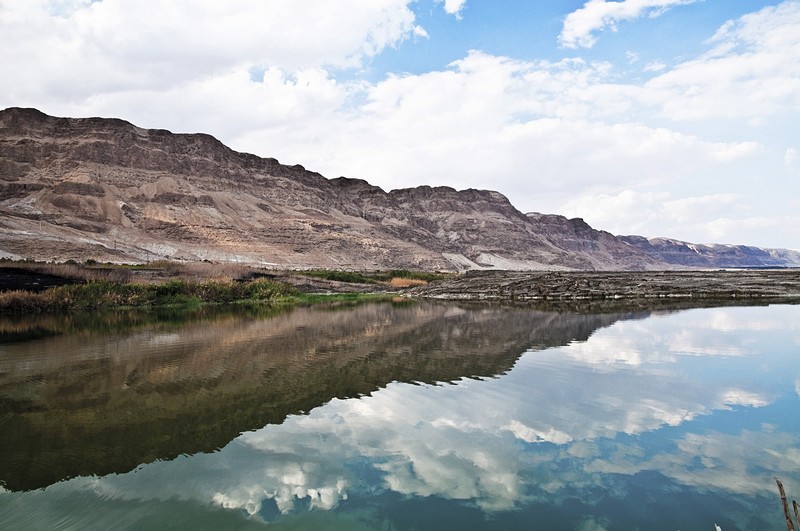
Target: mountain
column 698, row 256
column 80, row 188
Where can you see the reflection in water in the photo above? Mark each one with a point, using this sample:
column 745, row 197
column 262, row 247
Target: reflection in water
column 164, row 387
column 676, row 421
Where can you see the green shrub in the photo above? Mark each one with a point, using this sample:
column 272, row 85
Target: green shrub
column 170, row 288
column 263, row 289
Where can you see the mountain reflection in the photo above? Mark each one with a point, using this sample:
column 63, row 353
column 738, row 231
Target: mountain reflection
column 90, row 396
column 690, row 420
column 460, row 416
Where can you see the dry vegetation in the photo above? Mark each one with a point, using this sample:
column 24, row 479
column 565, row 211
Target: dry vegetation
column 398, row 282
column 159, row 269
column 785, row 503
column 80, row 272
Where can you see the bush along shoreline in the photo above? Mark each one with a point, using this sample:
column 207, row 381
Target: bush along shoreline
column 103, row 294
column 43, row 287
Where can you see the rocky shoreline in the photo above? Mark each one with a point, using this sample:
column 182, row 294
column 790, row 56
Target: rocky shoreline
column 589, row 291
column 516, row 286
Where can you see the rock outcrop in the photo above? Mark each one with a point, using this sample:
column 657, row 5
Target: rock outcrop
column 619, row 286
column 80, row 188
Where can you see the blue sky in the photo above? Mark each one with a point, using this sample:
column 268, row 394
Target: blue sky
column 674, row 118
column 529, row 30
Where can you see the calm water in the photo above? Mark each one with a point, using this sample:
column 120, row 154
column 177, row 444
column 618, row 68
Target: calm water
column 401, row 416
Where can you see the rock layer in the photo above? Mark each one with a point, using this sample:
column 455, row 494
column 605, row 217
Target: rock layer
column 615, row 285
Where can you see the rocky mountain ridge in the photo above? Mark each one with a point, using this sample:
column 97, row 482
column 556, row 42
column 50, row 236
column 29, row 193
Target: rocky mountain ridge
column 700, row 256
column 79, row 188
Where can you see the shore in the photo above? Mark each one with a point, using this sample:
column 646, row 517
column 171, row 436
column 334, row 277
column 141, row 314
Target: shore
column 27, row 288
column 45, row 289
column 515, row 286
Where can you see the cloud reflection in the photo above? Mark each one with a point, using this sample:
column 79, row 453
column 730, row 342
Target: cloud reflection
column 569, row 419
column 473, row 440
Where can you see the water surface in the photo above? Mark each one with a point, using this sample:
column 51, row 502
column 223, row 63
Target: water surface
column 401, row 416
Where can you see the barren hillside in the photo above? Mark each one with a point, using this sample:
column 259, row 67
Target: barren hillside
column 79, row 188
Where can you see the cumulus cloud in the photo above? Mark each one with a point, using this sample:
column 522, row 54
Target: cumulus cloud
column 655, row 66
column 532, row 128
column 453, row 7
column 739, row 397
column 687, row 208
column 740, row 319
column 82, row 49
column 713, row 218
column 721, row 228
column 708, row 461
column 599, row 15
column 750, row 72
column 633, row 212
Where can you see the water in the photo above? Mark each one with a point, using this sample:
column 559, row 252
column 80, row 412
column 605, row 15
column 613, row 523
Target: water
column 401, row 416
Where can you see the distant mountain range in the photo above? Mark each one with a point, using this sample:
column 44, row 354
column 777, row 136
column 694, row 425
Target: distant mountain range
column 80, row 188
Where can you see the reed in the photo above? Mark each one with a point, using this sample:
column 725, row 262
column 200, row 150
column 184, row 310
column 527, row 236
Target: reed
column 784, row 501
column 203, row 270
column 399, row 282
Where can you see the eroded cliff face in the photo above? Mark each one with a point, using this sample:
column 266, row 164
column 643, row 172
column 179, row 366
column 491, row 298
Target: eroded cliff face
column 105, row 189
column 79, row 188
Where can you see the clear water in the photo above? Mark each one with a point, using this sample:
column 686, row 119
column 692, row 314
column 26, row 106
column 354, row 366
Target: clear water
column 401, row 416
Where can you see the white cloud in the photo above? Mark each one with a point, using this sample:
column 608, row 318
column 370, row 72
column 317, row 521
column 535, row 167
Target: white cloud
column 789, row 157
column 532, row 128
column 687, row 209
column 531, row 435
column 634, row 212
column 706, row 219
column 453, row 7
column 599, row 15
column 741, row 319
column 713, row 459
column 655, row 66
column 116, row 45
column 753, row 71
column 721, row 229
column 739, row 397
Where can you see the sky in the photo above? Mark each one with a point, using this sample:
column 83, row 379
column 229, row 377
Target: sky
column 673, row 118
